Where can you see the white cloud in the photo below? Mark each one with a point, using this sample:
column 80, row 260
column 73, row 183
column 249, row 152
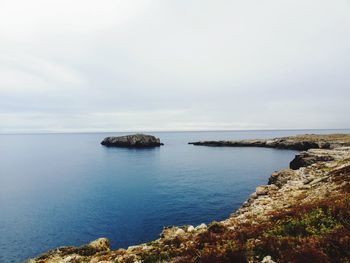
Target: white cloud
column 20, row 18
column 23, row 72
column 174, row 64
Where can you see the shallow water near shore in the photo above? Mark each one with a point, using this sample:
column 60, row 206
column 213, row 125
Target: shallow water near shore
column 67, row 189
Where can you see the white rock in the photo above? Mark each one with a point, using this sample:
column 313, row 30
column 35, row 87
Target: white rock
column 180, row 232
column 267, row 259
column 201, row 226
column 190, row 229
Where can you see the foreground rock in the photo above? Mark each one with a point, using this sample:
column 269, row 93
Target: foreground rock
column 302, row 215
column 98, row 247
column 132, row 141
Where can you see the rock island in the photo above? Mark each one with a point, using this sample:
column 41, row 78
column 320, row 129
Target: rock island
column 132, row 141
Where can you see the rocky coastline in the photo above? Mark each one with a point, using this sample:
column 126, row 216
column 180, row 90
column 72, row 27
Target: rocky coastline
column 301, row 215
column 299, row 142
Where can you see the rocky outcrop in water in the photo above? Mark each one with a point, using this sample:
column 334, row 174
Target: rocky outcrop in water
column 132, row 141
column 302, row 215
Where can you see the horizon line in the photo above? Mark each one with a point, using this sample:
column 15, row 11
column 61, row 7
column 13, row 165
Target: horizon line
column 165, row 131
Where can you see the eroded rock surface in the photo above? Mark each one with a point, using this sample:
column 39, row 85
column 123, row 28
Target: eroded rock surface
column 312, row 156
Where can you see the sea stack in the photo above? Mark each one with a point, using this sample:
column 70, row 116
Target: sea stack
column 132, row 141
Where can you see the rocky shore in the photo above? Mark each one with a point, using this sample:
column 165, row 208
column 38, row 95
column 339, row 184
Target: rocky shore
column 132, row 141
column 299, row 143
column 301, row 215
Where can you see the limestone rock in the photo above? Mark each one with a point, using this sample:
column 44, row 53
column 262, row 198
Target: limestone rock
column 101, row 244
column 267, row 259
column 201, row 226
column 180, row 232
column 307, row 158
column 190, row 229
column 281, row 177
column 74, row 254
column 262, row 190
column 312, row 156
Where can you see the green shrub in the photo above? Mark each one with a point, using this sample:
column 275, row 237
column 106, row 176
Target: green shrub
column 315, row 222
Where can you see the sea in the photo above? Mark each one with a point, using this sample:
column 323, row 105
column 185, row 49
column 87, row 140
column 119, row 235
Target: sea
column 61, row 189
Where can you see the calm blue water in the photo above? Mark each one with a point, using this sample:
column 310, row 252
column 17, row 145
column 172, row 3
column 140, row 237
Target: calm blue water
column 67, row 189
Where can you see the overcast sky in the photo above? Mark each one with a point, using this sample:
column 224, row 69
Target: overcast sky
column 132, row 65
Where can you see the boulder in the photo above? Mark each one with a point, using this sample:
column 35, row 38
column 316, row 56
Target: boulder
column 190, row 229
column 281, row 177
column 262, row 190
column 101, row 244
column 132, row 141
column 180, row 232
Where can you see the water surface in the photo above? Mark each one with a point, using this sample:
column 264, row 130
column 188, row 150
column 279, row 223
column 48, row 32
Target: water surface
column 67, row 189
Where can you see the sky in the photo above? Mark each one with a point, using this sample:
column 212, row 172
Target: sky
column 165, row 65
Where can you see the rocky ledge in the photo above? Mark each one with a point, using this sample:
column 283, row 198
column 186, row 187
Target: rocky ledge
column 301, row 215
column 132, row 141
